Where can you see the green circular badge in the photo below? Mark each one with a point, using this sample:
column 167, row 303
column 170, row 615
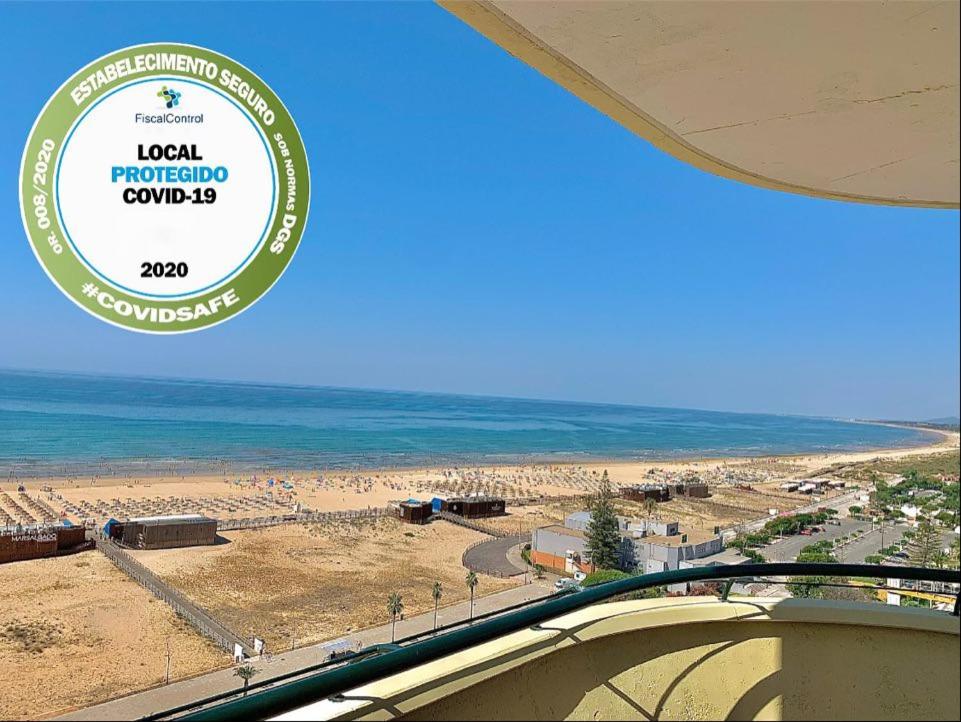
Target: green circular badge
column 164, row 188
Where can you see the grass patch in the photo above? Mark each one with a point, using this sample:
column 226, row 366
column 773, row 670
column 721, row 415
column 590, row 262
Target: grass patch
column 946, row 463
column 32, row 637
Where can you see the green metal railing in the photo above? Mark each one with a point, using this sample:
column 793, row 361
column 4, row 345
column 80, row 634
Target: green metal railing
column 271, row 697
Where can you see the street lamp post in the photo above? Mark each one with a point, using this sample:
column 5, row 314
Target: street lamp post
column 167, row 671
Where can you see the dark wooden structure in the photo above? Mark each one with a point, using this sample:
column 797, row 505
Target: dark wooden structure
column 453, row 506
column 475, row 507
column 416, row 512
column 694, row 490
column 39, row 543
column 643, row 492
column 166, row 532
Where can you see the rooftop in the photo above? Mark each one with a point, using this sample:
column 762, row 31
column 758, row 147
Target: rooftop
column 566, row 531
column 176, row 519
column 675, row 540
column 729, row 557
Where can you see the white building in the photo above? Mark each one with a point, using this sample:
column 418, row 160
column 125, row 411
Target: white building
column 910, row 511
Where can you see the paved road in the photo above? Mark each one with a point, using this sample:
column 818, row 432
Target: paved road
column 160, row 698
column 856, row 552
column 493, row 556
column 789, row 547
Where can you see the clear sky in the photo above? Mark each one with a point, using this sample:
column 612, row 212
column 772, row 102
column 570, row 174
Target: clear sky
column 475, row 228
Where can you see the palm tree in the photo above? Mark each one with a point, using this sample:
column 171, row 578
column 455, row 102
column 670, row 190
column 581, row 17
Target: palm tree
column 245, row 672
column 472, row 581
column 395, row 607
column 436, row 593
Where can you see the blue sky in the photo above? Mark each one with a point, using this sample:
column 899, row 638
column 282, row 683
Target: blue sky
column 474, row 228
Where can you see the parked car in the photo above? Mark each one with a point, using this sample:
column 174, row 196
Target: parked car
column 564, row 583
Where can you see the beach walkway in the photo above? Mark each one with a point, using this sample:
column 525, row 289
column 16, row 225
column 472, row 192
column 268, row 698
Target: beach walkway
column 165, row 697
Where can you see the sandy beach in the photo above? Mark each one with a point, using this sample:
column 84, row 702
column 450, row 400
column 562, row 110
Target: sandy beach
column 221, row 496
column 77, row 630
column 300, row 583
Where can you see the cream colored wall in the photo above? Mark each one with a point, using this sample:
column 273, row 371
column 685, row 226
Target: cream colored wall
column 846, row 100
column 726, row 671
column 686, row 658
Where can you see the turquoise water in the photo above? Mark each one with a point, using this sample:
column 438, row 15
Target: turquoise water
column 56, row 423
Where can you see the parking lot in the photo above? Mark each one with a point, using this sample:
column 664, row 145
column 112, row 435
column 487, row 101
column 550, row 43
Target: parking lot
column 787, row 549
column 854, row 552
column 857, row 551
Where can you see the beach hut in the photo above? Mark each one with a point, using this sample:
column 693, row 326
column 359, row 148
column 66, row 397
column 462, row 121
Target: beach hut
column 169, row 532
column 416, row 512
column 452, row 506
column 474, row 507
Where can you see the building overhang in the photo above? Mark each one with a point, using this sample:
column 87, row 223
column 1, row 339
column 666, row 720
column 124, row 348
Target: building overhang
column 854, row 101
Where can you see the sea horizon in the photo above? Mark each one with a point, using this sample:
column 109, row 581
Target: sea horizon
column 70, row 424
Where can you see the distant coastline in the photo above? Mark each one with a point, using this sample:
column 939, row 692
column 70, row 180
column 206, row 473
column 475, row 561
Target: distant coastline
column 930, row 440
column 621, row 470
column 69, row 426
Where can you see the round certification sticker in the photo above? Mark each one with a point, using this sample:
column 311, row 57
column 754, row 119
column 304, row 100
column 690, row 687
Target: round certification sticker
column 164, row 188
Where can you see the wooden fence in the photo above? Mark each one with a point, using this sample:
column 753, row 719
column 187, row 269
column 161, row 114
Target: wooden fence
column 557, row 498
column 200, row 619
column 303, row 517
column 470, row 524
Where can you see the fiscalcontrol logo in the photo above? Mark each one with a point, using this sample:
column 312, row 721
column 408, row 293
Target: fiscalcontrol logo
column 171, row 97
column 159, row 221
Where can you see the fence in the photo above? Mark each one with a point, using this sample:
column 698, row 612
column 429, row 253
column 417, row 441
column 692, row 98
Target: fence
column 303, row 517
column 470, row 524
column 555, row 499
column 205, row 624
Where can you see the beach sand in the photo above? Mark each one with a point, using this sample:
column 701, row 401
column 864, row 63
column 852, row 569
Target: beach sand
column 338, row 491
column 75, row 630
column 303, row 583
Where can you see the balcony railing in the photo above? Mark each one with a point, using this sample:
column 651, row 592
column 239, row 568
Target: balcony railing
column 276, row 695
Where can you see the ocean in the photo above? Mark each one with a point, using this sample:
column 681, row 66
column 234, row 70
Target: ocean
column 66, row 424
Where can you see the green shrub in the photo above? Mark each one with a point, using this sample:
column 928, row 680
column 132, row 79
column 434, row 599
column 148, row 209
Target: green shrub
column 604, row 576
